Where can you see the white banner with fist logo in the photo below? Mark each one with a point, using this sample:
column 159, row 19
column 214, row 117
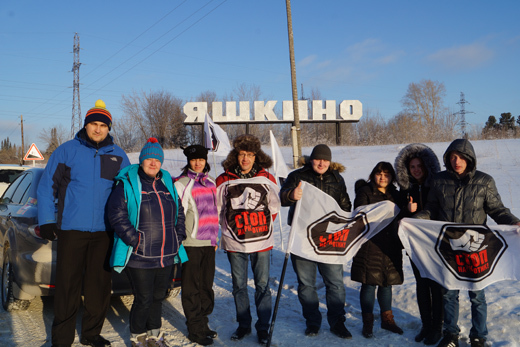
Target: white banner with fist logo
column 247, row 207
column 462, row 256
column 321, row 231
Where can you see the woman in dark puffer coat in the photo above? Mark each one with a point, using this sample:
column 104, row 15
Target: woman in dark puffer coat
column 415, row 165
column 378, row 264
column 146, row 214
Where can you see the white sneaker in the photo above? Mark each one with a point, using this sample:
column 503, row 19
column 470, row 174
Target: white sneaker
column 139, row 340
column 157, row 341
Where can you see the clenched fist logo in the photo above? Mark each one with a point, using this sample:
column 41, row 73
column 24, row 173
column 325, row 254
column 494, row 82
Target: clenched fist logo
column 469, row 242
column 470, row 252
column 249, row 200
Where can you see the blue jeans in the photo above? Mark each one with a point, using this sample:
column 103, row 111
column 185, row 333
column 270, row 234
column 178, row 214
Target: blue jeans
column 332, row 275
column 260, row 266
column 149, row 287
column 367, row 298
column 478, row 312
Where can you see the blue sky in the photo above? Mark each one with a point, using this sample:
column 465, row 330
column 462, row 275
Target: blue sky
column 349, row 50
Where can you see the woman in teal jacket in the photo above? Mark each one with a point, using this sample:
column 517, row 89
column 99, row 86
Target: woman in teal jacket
column 148, row 220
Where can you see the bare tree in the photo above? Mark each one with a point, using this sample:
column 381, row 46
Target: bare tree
column 425, row 100
column 127, row 134
column 53, row 137
column 158, row 114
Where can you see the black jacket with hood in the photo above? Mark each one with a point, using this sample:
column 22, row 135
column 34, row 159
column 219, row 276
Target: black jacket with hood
column 469, row 199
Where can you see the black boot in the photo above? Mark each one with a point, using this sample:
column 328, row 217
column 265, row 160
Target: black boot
column 423, row 334
column 368, row 325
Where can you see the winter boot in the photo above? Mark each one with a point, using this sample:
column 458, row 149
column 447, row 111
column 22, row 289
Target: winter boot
column 449, row 340
column 340, row 330
column 435, row 333
column 477, row 342
column 433, row 337
column 388, row 323
column 139, row 340
column 423, row 334
column 368, row 325
column 210, row 333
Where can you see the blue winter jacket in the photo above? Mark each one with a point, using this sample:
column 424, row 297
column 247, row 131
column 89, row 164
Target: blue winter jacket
column 80, row 177
column 146, row 215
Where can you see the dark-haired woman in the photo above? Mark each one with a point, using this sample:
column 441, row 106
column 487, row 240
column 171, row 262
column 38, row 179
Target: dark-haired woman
column 378, row 264
column 198, row 194
column 415, row 165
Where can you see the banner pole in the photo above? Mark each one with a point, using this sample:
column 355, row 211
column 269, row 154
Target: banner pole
column 277, row 302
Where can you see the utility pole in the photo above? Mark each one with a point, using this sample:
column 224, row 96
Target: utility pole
column 22, row 162
column 295, row 129
column 76, row 107
column 462, row 113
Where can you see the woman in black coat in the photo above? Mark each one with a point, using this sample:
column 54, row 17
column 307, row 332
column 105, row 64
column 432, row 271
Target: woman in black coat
column 415, row 165
column 378, row 264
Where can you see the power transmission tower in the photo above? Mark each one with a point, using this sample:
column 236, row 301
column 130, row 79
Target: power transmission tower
column 76, row 107
column 462, row 113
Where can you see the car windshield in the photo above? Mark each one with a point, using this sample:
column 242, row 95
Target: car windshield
column 8, row 175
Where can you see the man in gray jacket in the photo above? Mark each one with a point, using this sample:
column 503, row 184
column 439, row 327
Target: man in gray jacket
column 462, row 194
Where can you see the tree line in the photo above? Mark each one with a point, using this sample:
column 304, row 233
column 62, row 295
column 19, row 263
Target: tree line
column 424, row 118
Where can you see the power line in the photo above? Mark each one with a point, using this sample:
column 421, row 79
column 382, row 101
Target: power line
column 76, row 105
column 462, row 113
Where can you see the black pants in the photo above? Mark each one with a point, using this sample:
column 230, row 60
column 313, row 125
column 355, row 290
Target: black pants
column 198, row 298
column 81, row 263
column 149, row 287
column 429, row 300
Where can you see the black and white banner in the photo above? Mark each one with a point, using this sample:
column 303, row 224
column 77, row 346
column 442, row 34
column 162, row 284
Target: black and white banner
column 321, row 231
column 462, row 256
column 216, row 138
column 247, row 207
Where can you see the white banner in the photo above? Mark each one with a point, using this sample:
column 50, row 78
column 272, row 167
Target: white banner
column 216, row 138
column 281, row 171
column 462, row 256
column 247, row 207
column 321, row 231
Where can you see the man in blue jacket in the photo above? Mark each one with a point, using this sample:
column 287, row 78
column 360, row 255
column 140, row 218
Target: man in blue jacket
column 72, row 195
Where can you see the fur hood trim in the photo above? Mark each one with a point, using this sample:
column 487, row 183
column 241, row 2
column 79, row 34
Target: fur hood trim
column 415, row 150
column 248, row 143
column 306, row 160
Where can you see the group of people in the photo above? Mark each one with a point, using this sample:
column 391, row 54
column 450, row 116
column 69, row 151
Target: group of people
column 106, row 213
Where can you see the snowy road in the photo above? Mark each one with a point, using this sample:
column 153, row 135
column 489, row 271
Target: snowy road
column 499, row 158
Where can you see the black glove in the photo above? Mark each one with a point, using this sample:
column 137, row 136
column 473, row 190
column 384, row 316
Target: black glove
column 48, row 231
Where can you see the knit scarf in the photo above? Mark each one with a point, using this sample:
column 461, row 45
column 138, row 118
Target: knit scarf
column 204, row 193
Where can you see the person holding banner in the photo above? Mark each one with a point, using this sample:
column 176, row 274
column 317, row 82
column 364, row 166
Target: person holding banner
column 415, row 166
column 379, row 262
column 198, row 191
column 248, row 199
column 462, row 194
column 147, row 216
column 321, row 172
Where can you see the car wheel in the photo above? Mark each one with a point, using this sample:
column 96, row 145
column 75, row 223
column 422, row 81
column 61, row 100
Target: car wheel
column 9, row 303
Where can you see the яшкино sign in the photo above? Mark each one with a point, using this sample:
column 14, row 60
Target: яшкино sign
column 349, row 111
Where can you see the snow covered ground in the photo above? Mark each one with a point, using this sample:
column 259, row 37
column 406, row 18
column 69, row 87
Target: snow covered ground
column 500, row 158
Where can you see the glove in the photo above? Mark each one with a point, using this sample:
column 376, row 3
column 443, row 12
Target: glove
column 48, row 231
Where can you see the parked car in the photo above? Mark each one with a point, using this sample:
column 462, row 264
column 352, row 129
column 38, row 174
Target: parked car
column 28, row 261
column 8, row 173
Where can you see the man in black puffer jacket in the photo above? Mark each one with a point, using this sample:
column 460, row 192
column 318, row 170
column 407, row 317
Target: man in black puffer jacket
column 325, row 175
column 461, row 194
